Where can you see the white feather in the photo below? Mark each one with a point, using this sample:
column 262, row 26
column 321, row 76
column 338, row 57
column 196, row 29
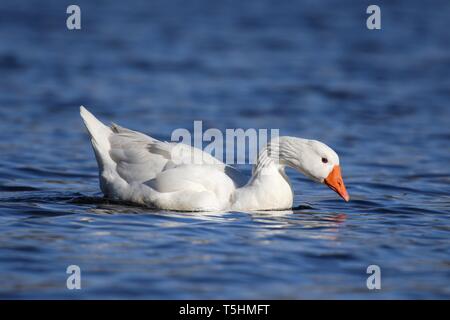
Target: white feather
column 138, row 168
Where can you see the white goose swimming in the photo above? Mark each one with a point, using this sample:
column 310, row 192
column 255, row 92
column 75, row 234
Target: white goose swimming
column 140, row 169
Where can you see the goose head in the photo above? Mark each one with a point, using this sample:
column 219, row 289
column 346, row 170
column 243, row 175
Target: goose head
column 315, row 160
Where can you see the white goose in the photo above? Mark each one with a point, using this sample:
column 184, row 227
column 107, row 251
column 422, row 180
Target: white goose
column 140, row 169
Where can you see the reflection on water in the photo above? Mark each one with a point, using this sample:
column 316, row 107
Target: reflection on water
column 379, row 98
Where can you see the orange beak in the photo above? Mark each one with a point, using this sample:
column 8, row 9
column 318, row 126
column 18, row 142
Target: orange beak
column 335, row 182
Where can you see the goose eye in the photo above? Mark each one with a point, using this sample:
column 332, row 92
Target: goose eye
column 324, row 160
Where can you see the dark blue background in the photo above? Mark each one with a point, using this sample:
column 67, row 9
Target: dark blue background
column 311, row 69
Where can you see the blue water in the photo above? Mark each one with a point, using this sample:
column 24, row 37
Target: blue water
column 380, row 98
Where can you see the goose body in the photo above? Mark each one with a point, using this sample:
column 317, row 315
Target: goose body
column 137, row 168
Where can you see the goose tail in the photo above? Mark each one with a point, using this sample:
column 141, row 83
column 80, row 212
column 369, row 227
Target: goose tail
column 100, row 135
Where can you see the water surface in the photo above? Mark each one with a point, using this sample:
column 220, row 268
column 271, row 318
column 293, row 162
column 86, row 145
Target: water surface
column 379, row 98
